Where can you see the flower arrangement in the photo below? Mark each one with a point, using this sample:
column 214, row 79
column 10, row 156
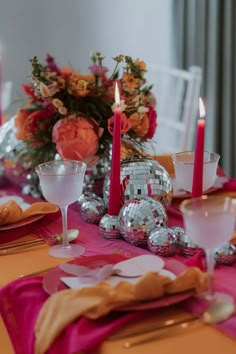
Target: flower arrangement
column 72, row 114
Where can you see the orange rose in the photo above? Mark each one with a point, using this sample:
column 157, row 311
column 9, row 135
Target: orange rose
column 139, row 123
column 28, row 124
column 75, row 138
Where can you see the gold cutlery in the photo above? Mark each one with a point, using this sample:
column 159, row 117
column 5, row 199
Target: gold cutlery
column 217, row 312
column 19, row 248
column 22, row 245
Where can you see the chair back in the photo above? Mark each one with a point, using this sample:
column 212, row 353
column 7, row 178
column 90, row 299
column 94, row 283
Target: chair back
column 177, row 93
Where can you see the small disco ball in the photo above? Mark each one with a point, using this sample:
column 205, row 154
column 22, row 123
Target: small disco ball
column 109, row 227
column 225, row 254
column 178, row 232
column 162, row 241
column 142, row 177
column 138, row 216
column 93, row 210
column 88, row 196
column 187, row 247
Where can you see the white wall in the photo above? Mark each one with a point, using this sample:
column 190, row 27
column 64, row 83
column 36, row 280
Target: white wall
column 71, row 29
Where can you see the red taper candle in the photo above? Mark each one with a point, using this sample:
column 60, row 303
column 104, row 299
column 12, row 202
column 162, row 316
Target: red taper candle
column 197, row 186
column 114, row 195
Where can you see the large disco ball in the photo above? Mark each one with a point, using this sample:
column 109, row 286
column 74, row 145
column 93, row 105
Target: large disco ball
column 94, row 176
column 138, row 217
column 16, row 167
column 142, row 177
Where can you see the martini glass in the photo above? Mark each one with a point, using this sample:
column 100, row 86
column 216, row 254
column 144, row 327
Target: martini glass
column 209, row 222
column 184, row 166
column 61, row 183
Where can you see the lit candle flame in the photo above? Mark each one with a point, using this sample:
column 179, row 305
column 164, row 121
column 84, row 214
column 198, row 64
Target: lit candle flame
column 117, row 95
column 202, row 110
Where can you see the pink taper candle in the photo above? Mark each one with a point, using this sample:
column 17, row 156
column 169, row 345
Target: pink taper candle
column 114, row 196
column 197, row 187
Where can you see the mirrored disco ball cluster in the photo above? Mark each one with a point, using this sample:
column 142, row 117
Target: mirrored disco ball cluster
column 142, row 177
column 138, row 217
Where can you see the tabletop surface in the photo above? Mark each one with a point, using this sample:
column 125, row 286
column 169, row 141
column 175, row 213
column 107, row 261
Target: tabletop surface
column 195, row 338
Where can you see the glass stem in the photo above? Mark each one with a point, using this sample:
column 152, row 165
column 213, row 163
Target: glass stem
column 210, row 263
column 64, row 225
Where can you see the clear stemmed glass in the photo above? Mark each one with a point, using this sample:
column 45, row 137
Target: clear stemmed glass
column 209, row 222
column 184, row 165
column 61, row 183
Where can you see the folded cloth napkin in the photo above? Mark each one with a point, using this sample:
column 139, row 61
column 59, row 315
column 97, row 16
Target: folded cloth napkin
column 64, row 307
column 11, row 212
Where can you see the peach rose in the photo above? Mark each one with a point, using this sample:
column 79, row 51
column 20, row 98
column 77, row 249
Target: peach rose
column 75, row 138
column 125, row 124
column 29, row 123
column 139, row 123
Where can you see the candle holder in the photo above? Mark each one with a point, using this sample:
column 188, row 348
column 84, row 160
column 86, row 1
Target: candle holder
column 184, row 166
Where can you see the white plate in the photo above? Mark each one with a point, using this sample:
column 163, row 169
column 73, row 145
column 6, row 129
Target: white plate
column 137, row 266
column 79, row 283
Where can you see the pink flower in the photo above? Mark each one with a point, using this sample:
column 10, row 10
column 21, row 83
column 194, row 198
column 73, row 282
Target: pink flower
column 52, row 64
column 76, row 138
column 98, row 70
column 152, row 116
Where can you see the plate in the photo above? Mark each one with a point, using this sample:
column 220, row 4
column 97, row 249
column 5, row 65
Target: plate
column 75, row 282
column 20, row 201
column 137, row 266
column 20, row 223
column 180, row 193
column 52, row 282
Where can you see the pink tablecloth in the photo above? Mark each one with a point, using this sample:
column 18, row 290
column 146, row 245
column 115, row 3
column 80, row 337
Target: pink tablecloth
column 21, row 300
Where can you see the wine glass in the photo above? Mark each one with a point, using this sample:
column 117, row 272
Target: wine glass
column 184, row 165
column 209, row 222
column 61, row 182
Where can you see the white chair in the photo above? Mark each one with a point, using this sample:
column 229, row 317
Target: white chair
column 177, row 93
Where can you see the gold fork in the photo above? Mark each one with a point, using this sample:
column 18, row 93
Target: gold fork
column 21, row 243
column 10, row 250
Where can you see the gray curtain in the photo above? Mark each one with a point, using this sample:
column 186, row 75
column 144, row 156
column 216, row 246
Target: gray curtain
column 205, row 35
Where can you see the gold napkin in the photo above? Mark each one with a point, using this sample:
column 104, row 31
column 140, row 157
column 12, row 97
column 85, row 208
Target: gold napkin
column 66, row 306
column 11, row 212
